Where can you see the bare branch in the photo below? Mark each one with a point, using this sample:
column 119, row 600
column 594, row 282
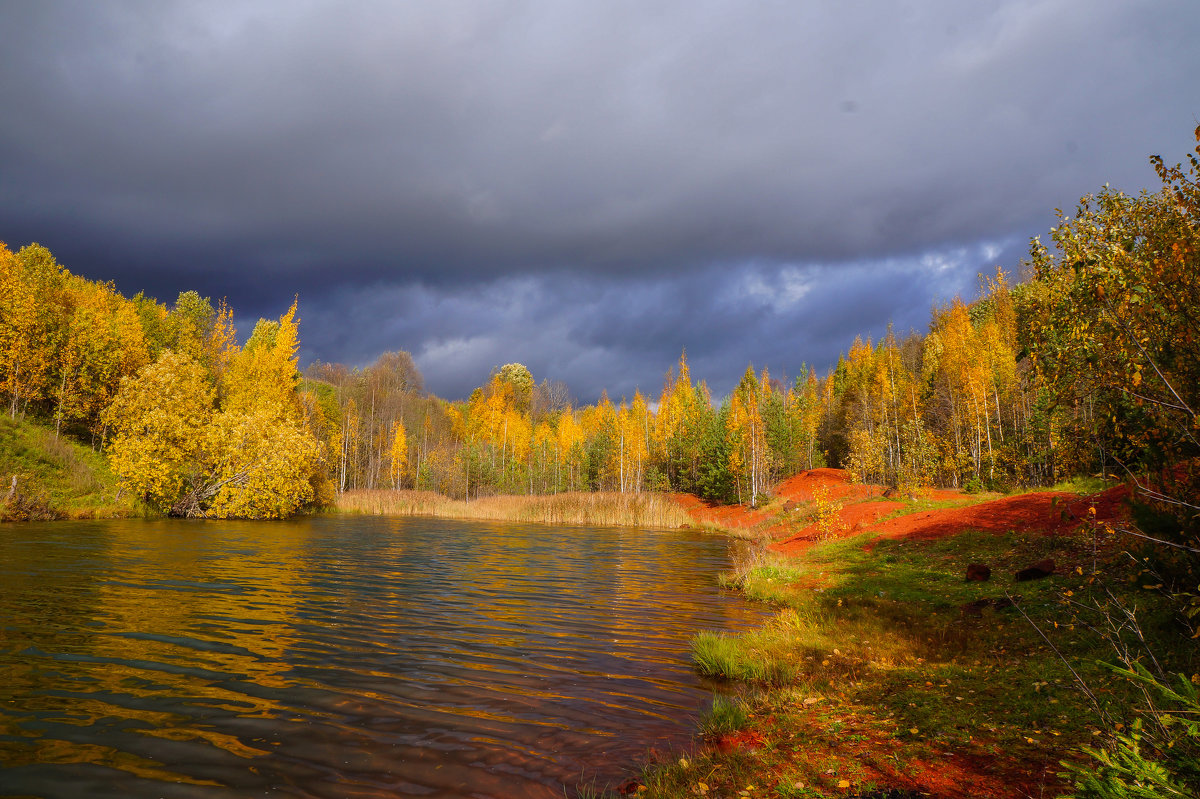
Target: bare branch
column 1104, row 717
column 1136, row 534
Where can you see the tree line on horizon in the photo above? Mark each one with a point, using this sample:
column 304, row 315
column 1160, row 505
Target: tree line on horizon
column 1090, row 365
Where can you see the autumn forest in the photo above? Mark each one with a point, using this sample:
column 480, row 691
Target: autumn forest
column 1085, row 363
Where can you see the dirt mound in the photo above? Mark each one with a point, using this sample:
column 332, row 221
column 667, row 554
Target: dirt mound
column 835, row 482
column 1044, row 512
column 845, row 509
column 833, row 485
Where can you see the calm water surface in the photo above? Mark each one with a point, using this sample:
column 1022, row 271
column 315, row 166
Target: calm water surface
column 346, row 657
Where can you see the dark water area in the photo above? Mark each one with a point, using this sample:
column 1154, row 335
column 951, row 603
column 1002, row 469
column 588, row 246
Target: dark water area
column 346, row 657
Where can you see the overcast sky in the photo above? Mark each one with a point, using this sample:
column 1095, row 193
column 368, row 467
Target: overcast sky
column 586, row 188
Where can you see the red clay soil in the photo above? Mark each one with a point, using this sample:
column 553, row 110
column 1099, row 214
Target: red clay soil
column 956, row 775
column 800, row 488
column 738, row 517
column 833, row 484
column 968, row 774
column 1046, row 512
column 965, row 776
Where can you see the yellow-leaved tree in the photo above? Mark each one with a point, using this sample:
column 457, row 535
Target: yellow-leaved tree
column 264, row 455
column 569, row 450
column 633, row 427
column 30, row 290
column 252, row 456
column 746, row 436
column 160, row 420
column 399, row 454
column 101, row 342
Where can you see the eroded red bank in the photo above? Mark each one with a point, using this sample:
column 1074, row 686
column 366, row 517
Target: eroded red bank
column 865, row 508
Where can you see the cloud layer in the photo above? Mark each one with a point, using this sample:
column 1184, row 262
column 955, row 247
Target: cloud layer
column 588, row 187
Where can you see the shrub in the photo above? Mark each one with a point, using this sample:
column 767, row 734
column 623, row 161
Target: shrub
column 1156, row 759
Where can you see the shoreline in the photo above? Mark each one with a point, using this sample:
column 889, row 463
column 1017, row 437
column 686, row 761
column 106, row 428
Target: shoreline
column 884, row 673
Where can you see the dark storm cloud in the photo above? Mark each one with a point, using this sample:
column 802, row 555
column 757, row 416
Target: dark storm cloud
column 622, row 333
column 594, row 184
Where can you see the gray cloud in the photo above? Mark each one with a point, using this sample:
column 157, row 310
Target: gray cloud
column 645, row 177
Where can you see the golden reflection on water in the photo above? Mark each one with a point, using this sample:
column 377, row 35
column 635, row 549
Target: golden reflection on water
column 345, row 657
column 50, row 750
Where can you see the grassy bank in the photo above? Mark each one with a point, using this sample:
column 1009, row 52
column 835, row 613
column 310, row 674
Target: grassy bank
column 885, row 674
column 600, row 508
column 56, row 477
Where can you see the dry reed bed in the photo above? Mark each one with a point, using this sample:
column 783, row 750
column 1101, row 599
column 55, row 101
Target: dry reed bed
column 576, row 507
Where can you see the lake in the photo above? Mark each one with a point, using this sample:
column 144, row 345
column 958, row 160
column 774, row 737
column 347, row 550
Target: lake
column 347, row 656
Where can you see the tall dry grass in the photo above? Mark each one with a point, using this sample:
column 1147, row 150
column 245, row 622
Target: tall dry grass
column 576, row 507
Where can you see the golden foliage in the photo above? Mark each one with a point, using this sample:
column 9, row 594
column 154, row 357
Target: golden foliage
column 399, row 454
column 251, row 457
column 261, row 465
column 160, row 420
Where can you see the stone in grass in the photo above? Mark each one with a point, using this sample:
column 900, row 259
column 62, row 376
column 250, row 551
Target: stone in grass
column 978, row 573
column 1043, row 568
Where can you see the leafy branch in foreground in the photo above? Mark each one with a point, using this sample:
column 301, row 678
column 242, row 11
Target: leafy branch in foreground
column 1159, row 755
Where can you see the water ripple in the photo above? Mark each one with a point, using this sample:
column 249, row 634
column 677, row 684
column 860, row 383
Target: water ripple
column 345, row 657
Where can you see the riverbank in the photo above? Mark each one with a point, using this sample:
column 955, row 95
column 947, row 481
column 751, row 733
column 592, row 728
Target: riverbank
column 886, row 673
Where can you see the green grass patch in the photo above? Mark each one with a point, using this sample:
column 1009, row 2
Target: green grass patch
column 882, row 657
column 727, row 715
column 1082, row 485
column 765, row 656
column 921, row 504
column 71, row 479
column 764, row 577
